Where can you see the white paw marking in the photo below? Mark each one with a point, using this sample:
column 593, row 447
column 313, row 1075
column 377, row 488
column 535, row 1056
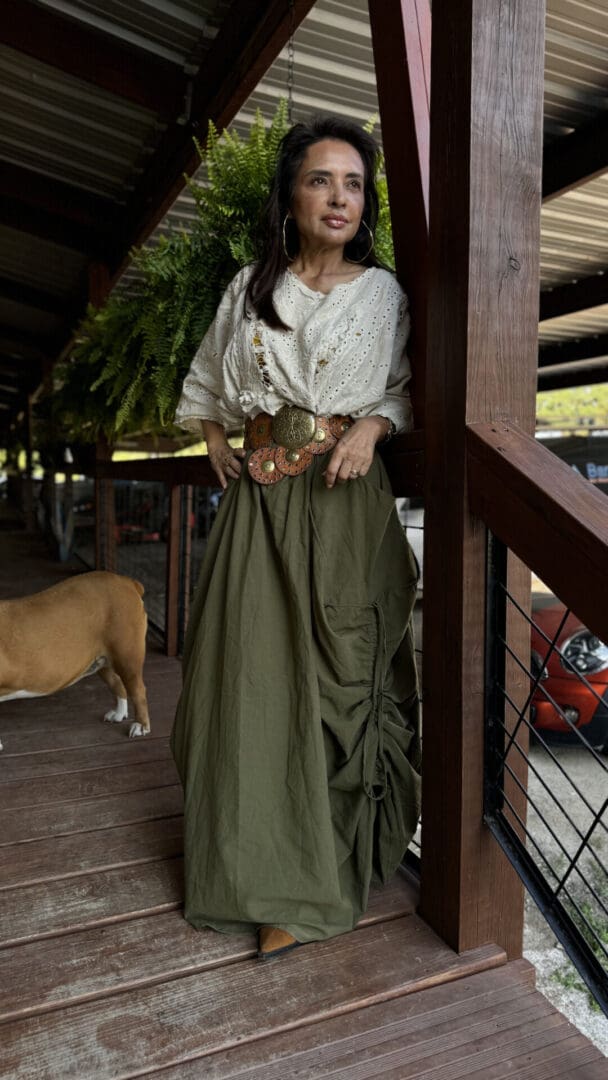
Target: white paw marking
column 137, row 729
column 119, row 713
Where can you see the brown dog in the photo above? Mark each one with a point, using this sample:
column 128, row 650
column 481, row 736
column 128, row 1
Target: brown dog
column 89, row 623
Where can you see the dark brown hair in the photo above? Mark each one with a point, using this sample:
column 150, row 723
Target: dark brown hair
column 273, row 260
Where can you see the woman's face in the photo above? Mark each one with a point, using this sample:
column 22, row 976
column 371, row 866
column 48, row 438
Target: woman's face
column 328, row 197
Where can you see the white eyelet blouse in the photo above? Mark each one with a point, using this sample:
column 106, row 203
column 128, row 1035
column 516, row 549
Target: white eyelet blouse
column 344, row 354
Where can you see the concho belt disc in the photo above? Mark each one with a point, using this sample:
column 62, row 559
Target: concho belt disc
column 291, row 462
column 293, row 427
column 262, row 466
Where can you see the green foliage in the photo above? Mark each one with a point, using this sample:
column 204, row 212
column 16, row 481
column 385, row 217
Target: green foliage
column 125, row 371
column 578, row 407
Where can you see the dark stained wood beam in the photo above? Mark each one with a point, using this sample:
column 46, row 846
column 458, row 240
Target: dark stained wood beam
column 124, row 70
column 567, row 352
column 250, row 39
column 579, row 295
column 550, row 512
column 401, row 37
column 573, row 375
column 57, row 211
column 485, row 177
column 575, row 159
column 31, row 296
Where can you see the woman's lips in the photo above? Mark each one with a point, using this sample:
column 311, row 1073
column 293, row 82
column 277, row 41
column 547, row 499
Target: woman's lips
column 335, row 222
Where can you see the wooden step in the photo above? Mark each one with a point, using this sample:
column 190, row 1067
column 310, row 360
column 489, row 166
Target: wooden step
column 85, row 815
column 72, row 856
column 61, row 907
column 158, row 1026
column 485, row 1026
column 48, row 974
column 22, row 794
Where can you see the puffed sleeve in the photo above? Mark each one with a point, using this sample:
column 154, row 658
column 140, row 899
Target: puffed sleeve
column 395, row 404
column 203, row 388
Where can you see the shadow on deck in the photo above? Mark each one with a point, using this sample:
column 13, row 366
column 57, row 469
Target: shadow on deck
column 101, row 977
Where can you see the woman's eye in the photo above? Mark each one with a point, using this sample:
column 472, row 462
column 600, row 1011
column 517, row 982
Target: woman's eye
column 356, row 184
column 318, row 179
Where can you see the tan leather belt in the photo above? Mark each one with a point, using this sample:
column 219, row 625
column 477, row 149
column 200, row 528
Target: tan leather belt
column 287, row 443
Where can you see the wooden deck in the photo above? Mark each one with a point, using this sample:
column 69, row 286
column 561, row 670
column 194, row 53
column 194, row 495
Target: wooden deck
column 101, row 977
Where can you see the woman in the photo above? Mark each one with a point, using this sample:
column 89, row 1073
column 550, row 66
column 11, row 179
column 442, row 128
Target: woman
column 297, row 732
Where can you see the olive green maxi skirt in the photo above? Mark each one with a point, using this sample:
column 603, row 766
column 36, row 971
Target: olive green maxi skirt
column 297, row 732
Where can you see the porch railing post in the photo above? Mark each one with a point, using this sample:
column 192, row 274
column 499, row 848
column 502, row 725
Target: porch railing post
column 485, row 185
column 172, row 592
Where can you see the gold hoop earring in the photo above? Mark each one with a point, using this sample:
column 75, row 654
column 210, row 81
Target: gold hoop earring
column 289, row 257
column 370, row 248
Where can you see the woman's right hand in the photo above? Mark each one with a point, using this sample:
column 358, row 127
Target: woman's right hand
column 225, row 461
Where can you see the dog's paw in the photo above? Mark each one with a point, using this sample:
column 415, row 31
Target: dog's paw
column 118, row 713
column 138, row 729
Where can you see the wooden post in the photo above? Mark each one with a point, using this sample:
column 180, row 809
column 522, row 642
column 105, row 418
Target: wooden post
column 27, row 482
column 172, row 591
column 105, row 516
column 401, row 36
column 486, row 150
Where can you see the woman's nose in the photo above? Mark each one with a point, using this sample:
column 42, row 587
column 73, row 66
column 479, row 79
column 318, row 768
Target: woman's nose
column 337, row 196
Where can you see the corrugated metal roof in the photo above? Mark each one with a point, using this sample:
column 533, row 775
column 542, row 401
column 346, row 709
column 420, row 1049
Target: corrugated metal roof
column 66, row 128
column 574, row 233
column 173, row 29
column 579, row 325
column 576, row 63
column 40, row 263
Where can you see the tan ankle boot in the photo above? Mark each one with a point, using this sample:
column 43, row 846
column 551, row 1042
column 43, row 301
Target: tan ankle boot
column 273, row 942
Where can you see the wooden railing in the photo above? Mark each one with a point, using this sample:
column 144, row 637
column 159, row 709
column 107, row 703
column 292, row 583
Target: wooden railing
column 555, row 521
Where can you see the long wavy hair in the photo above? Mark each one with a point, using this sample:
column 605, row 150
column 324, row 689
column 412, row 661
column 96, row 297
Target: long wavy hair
column 273, row 260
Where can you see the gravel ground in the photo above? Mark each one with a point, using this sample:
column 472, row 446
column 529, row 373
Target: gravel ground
column 541, row 948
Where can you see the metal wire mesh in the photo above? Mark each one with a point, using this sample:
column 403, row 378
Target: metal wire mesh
column 559, row 844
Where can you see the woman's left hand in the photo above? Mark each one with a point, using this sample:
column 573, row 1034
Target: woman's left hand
column 354, row 452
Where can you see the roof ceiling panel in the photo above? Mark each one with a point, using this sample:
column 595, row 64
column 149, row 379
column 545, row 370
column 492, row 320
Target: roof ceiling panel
column 173, row 29
column 39, row 263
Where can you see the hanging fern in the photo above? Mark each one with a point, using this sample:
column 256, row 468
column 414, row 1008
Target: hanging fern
column 125, row 371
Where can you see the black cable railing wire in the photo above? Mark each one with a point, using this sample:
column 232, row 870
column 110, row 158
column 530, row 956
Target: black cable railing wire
column 557, row 855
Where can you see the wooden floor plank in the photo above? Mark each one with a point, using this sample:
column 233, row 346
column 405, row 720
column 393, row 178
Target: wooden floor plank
column 124, row 752
column 121, row 1036
column 88, row 784
column 299, row 1052
column 106, row 960
column 550, row 1062
column 70, row 856
column 60, row 907
column 466, row 1058
column 77, row 736
column 85, row 815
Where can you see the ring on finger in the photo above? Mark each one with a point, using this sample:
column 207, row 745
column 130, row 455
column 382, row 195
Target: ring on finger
column 354, row 474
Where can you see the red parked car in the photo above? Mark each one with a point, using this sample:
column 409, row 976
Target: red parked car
column 582, row 654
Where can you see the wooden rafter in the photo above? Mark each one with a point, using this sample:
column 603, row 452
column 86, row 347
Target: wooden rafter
column 567, row 352
column 31, row 296
column 132, row 74
column 579, row 295
column 573, row 375
column 401, row 37
column 250, row 38
column 575, row 159
column 54, row 210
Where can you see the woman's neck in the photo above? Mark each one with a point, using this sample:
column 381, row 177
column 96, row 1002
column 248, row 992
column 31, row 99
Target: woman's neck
column 322, row 268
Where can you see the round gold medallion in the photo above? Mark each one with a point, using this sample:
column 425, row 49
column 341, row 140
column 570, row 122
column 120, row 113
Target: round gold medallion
column 293, row 427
